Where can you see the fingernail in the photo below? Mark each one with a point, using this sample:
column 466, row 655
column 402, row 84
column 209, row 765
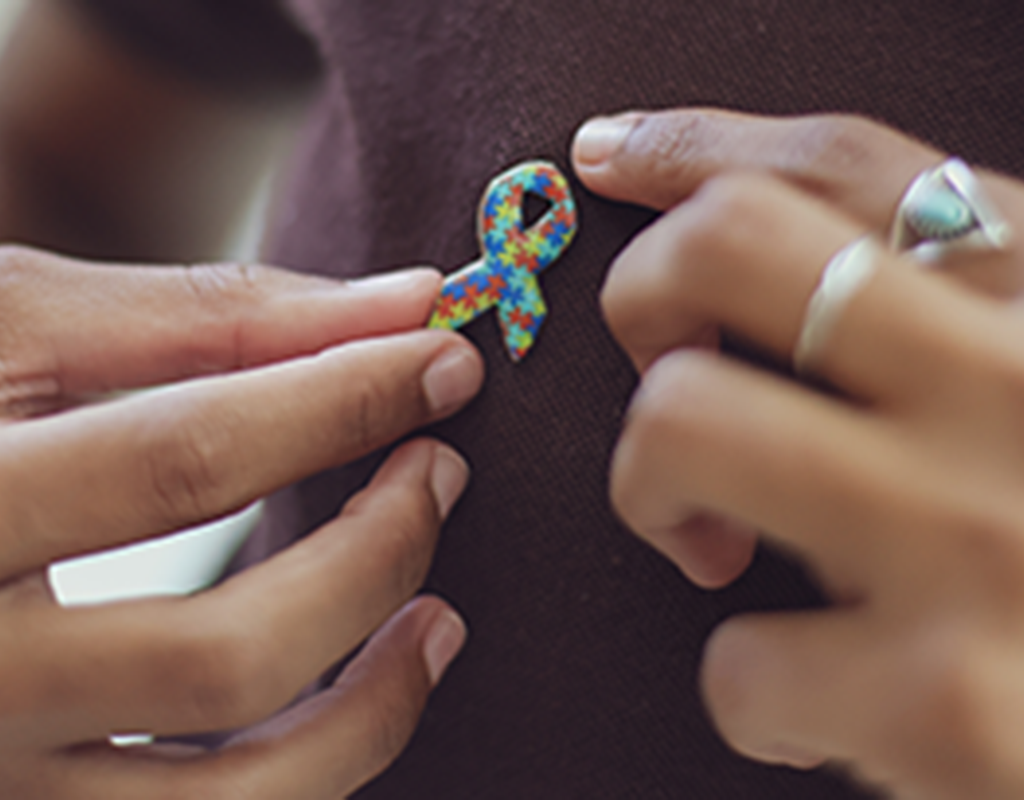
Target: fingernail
column 790, row 756
column 401, row 280
column 453, row 378
column 600, row 138
column 448, row 478
column 443, row 642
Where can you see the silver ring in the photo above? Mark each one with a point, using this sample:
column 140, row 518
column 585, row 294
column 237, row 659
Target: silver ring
column 944, row 209
column 844, row 275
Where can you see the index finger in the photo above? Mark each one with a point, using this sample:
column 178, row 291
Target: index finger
column 151, row 464
column 857, row 166
column 73, row 327
column 660, row 159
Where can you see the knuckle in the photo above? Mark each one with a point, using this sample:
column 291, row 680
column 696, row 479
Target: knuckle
column 397, row 529
column 229, row 293
column 185, row 464
column 627, row 293
column 692, row 258
column 954, row 702
column 403, row 549
column 224, row 675
column 670, row 137
column 669, row 427
column 985, row 539
column 374, row 409
column 216, row 284
column 677, row 399
column 20, row 269
column 730, row 202
column 824, row 148
column 732, row 216
column 671, row 149
column 18, row 263
column 391, row 725
column 30, row 382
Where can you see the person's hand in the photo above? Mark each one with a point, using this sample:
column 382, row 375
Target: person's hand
column 900, row 486
column 321, row 373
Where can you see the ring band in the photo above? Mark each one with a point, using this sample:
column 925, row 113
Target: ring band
column 843, row 276
column 946, row 208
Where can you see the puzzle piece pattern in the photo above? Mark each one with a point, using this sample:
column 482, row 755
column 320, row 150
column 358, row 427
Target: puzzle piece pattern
column 506, row 276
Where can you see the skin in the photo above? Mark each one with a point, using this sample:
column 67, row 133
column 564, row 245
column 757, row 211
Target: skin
column 275, row 376
column 900, row 490
column 899, row 486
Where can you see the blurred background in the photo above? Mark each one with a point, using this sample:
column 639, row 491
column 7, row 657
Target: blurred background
column 8, row 11
column 179, row 564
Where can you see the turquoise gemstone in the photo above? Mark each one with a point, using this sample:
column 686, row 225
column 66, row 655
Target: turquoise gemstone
column 941, row 214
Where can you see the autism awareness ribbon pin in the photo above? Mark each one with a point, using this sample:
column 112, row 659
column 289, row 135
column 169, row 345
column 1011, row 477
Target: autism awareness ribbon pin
column 512, row 256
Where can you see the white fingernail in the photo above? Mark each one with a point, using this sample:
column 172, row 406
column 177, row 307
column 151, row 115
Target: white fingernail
column 442, row 643
column 791, row 756
column 453, row 378
column 600, row 138
column 448, row 478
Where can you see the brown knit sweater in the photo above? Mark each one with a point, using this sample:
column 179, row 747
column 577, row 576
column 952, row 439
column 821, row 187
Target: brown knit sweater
column 579, row 680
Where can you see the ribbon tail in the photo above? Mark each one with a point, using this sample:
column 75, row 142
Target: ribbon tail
column 520, row 315
column 462, row 298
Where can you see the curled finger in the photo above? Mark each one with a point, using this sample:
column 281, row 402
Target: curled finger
column 746, row 255
column 322, row 749
column 235, row 655
column 707, row 434
column 785, row 689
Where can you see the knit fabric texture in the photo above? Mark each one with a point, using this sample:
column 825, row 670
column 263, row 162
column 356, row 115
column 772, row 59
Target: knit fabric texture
column 580, row 677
